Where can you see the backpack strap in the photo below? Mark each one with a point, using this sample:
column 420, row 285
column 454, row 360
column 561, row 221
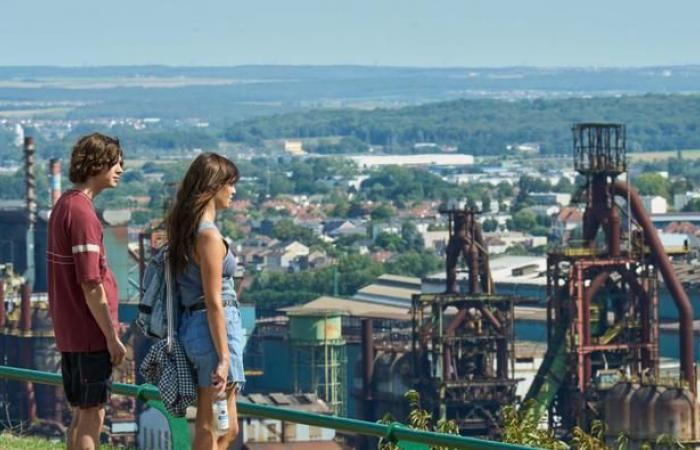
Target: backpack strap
column 169, row 304
column 205, row 225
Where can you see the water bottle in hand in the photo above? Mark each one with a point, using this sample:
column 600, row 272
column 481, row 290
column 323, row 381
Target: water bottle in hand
column 220, row 407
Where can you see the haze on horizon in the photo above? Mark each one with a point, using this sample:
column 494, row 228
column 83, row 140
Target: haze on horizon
column 446, row 33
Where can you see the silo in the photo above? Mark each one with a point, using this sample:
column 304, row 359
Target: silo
column 617, row 407
column 319, row 359
column 674, row 414
column 641, row 410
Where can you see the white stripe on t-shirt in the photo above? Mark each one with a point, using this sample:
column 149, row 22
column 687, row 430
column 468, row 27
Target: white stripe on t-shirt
column 83, row 248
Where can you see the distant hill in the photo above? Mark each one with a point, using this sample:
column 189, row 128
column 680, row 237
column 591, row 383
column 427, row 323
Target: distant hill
column 480, row 127
column 235, row 93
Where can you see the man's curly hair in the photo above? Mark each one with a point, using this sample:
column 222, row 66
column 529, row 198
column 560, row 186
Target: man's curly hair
column 92, row 154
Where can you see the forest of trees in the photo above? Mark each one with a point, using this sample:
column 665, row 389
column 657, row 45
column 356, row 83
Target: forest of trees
column 654, row 122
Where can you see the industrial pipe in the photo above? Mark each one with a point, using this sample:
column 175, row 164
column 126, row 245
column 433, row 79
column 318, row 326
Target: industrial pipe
column 2, row 303
column 54, row 181
column 25, row 321
column 685, row 309
column 648, row 354
column 585, row 321
column 367, row 368
column 25, row 324
column 486, row 281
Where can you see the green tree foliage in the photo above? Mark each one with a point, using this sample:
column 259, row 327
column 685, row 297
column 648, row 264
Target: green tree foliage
column 287, row 230
column 382, row 213
column 485, row 127
column 524, row 220
column 412, row 238
column 13, row 186
column 231, row 230
column 653, row 184
column 280, row 288
column 280, row 184
column 522, row 201
column 521, row 427
column 157, row 139
column 349, row 144
column 692, row 206
column 414, row 263
column 564, row 185
column 486, row 203
column 355, row 271
column 341, row 208
column 490, row 225
column 530, row 184
column 504, row 190
column 389, row 241
column 400, row 184
column 272, row 290
column 312, row 175
column 356, row 210
column 681, row 186
column 418, row 419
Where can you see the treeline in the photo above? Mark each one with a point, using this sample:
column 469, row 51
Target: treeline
column 273, row 290
column 654, row 122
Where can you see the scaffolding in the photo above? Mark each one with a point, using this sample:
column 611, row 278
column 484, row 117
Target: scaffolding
column 463, row 338
column 602, row 296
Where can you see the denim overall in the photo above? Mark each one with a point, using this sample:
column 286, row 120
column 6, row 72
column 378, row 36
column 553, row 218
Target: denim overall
column 194, row 329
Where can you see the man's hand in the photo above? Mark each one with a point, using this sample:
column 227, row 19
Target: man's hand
column 116, row 350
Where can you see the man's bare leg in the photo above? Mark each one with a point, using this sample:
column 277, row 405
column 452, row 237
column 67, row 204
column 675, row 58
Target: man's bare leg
column 72, row 428
column 89, row 428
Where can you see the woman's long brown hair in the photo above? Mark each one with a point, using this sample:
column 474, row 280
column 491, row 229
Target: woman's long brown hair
column 207, row 174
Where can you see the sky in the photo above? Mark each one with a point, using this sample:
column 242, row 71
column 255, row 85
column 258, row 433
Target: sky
column 425, row 33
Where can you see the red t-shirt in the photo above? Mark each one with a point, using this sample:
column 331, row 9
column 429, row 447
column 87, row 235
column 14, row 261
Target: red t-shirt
column 76, row 255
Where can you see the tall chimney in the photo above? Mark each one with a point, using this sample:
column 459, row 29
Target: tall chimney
column 25, row 325
column 2, row 303
column 25, row 317
column 29, row 151
column 54, row 180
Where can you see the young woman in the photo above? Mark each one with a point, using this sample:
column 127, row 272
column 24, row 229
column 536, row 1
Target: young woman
column 210, row 322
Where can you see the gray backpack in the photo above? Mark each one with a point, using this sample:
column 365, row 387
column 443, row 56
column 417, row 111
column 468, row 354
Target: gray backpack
column 159, row 295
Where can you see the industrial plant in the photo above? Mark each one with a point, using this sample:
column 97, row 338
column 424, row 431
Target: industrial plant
column 573, row 342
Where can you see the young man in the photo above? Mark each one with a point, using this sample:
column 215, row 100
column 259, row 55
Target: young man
column 83, row 296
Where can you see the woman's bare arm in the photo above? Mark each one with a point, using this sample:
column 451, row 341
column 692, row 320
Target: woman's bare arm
column 211, row 252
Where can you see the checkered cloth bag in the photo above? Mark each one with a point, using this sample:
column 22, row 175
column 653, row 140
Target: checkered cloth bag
column 166, row 364
column 172, row 373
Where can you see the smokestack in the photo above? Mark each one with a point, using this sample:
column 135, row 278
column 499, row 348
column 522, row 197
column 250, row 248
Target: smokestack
column 25, row 324
column 2, row 303
column 29, row 151
column 25, row 321
column 368, row 368
column 54, row 180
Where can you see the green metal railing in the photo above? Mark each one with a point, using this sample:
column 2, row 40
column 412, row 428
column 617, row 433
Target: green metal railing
column 403, row 436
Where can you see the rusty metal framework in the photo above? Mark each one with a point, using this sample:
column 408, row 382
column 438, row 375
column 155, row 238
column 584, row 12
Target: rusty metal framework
column 606, row 309
column 463, row 342
column 602, row 297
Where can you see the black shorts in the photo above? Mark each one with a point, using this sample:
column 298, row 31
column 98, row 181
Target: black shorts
column 87, row 378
